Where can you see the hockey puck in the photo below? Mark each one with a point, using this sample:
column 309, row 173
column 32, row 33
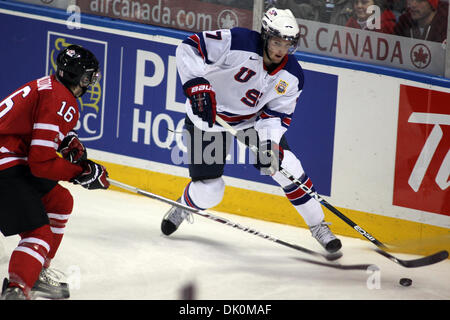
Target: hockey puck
column 406, row 282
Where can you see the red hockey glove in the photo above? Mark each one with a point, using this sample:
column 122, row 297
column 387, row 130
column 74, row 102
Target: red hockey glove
column 203, row 99
column 94, row 176
column 72, row 149
column 270, row 157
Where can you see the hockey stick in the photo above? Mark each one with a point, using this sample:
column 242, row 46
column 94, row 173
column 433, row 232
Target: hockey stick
column 329, row 257
column 340, row 266
column 424, row 261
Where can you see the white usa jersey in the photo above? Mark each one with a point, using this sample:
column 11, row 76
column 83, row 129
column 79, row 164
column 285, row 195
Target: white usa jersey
column 247, row 94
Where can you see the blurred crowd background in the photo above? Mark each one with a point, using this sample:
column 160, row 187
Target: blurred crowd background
column 420, row 26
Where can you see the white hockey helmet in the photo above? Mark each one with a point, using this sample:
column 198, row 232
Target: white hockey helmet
column 280, row 23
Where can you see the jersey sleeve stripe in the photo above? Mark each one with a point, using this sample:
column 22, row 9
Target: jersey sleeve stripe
column 203, row 48
column 190, row 42
column 48, row 126
column 235, row 119
column 44, row 143
column 270, row 113
column 285, row 118
column 286, row 122
column 10, row 159
column 200, row 46
column 196, row 39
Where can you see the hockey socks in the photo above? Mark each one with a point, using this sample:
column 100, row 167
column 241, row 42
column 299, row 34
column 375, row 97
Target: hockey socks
column 308, row 208
column 28, row 258
column 58, row 204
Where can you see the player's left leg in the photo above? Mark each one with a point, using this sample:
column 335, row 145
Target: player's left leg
column 199, row 194
column 24, row 214
column 207, row 153
column 308, row 208
column 58, row 204
column 26, row 261
column 40, row 233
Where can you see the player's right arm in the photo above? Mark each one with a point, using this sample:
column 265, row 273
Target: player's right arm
column 194, row 56
column 200, row 50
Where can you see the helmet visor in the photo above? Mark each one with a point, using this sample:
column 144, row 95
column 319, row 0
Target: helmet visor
column 285, row 44
column 90, row 78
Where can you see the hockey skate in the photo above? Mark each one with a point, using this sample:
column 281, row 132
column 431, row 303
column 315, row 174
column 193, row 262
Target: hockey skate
column 325, row 237
column 49, row 286
column 173, row 218
column 11, row 293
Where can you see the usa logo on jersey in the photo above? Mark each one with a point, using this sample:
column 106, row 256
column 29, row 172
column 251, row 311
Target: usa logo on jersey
column 92, row 103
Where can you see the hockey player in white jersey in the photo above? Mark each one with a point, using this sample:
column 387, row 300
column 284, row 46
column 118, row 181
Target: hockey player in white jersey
column 252, row 81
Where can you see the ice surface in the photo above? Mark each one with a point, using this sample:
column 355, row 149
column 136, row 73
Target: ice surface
column 113, row 249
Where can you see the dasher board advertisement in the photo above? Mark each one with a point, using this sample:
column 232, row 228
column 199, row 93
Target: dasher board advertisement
column 137, row 109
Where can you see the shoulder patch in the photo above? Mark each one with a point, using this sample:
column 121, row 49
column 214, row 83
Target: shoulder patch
column 44, row 83
column 281, row 87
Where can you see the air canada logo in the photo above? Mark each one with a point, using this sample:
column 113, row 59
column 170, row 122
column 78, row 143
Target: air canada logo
column 420, row 56
column 227, row 19
column 91, row 104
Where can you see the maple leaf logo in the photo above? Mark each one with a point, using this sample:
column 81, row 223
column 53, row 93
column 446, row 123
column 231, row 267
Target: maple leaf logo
column 227, row 22
column 420, row 56
column 227, row 19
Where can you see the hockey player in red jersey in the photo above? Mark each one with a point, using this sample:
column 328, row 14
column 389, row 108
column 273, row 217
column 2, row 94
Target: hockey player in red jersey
column 36, row 122
column 252, row 81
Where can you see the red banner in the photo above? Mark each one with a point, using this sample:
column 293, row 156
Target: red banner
column 422, row 166
column 190, row 15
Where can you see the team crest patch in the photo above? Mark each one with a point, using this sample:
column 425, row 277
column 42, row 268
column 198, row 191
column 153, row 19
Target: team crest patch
column 281, row 87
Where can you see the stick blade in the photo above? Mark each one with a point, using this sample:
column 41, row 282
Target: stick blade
column 340, row 266
column 328, row 256
column 416, row 263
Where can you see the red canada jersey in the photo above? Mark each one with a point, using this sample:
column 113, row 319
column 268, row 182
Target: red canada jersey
column 33, row 121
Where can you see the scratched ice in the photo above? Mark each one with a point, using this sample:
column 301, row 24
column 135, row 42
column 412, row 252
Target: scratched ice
column 113, row 249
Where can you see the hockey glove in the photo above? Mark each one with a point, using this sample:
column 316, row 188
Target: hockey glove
column 203, row 99
column 270, row 157
column 94, row 176
column 72, row 149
